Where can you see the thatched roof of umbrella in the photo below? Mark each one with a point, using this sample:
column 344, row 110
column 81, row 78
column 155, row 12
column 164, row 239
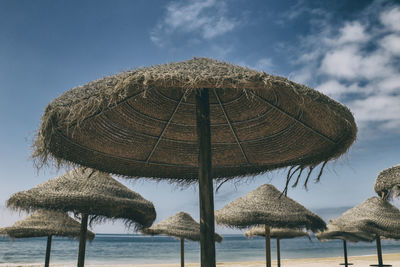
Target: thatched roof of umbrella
column 267, row 206
column 374, row 216
column 281, row 233
column 87, row 191
column 181, row 225
column 45, row 223
column 142, row 123
column 348, row 233
column 388, row 182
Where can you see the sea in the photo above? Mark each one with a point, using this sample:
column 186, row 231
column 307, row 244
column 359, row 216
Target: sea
column 124, row 249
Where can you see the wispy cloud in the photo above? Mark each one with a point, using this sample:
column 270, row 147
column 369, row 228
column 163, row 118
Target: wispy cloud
column 205, row 18
column 358, row 64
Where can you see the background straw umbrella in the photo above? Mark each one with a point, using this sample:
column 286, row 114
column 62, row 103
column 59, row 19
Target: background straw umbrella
column 374, row 217
column 165, row 121
column 182, row 226
column 336, row 230
column 269, row 207
column 278, row 233
column 87, row 192
column 388, row 182
column 45, row 223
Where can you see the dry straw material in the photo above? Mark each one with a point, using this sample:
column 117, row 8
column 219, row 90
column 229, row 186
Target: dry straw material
column 142, row 123
column 281, row 233
column 344, row 232
column 181, row 225
column 267, row 206
column 45, row 223
column 388, row 182
column 374, row 217
column 87, row 191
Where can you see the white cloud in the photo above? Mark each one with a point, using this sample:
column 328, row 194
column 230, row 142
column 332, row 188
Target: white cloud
column 207, row 18
column 263, row 64
column 358, row 64
column 353, row 32
column 391, row 43
column 391, row 18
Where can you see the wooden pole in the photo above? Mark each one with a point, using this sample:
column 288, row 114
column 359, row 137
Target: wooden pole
column 346, row 263
column 48, row 249
column 182, row 252
column 82, row 240
column 206, row 194
column 278, row 251
column 379, row 250
column 268, row 246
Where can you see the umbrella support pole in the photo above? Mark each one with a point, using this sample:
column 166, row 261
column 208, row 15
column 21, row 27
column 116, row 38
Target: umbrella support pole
column 82, row 240
column 182, row 252
column 379, row 250
column 278, row 252
column 48, row 249
column 268, row 246
column 206, row 191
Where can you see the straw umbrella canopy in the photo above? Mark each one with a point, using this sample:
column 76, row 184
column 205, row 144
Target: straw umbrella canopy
column 165, row 121
column 278, row 233
column 268, row 207
column 45, row 223
column 375, row 217
column 87, row 192
column 182, row 226
column 388, row 182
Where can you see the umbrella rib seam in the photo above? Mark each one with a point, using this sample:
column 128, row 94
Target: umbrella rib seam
column 296, row 119
column 230, row 126
column 164, row 129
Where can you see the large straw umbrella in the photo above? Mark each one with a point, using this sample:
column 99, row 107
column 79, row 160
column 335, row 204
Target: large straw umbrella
column 182, row 226
column 388, row 182
column 267, row 207
column 194, row 121
column 45, row 223
column 278, row 234
column 87, row 192
column 374, row 217
column 336, row 230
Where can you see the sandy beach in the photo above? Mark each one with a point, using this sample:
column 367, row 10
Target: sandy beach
column 358, row 261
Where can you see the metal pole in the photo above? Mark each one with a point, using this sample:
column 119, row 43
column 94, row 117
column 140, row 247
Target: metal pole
column 346, row 263
column 206, row 194
column 48, row 249
column 379, row 250
column 278, row 251
column 182, row 252
column 268, row 246
column 82, row 240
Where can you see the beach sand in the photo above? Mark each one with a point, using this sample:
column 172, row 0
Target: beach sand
column 358, row 261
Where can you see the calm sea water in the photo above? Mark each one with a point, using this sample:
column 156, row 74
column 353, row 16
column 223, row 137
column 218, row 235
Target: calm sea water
column 136, row 249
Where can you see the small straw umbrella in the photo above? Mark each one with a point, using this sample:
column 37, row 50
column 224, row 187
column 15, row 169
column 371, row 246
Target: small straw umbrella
column 87, row 192
column 182, row 226
column 194, row 121
column 388, row 182
column 45, row 223
column 345, row 233
column 278, row 233
column 375, row 217
column 268, row 207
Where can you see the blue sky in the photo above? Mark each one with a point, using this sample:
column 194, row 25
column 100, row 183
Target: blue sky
column 349, row 50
